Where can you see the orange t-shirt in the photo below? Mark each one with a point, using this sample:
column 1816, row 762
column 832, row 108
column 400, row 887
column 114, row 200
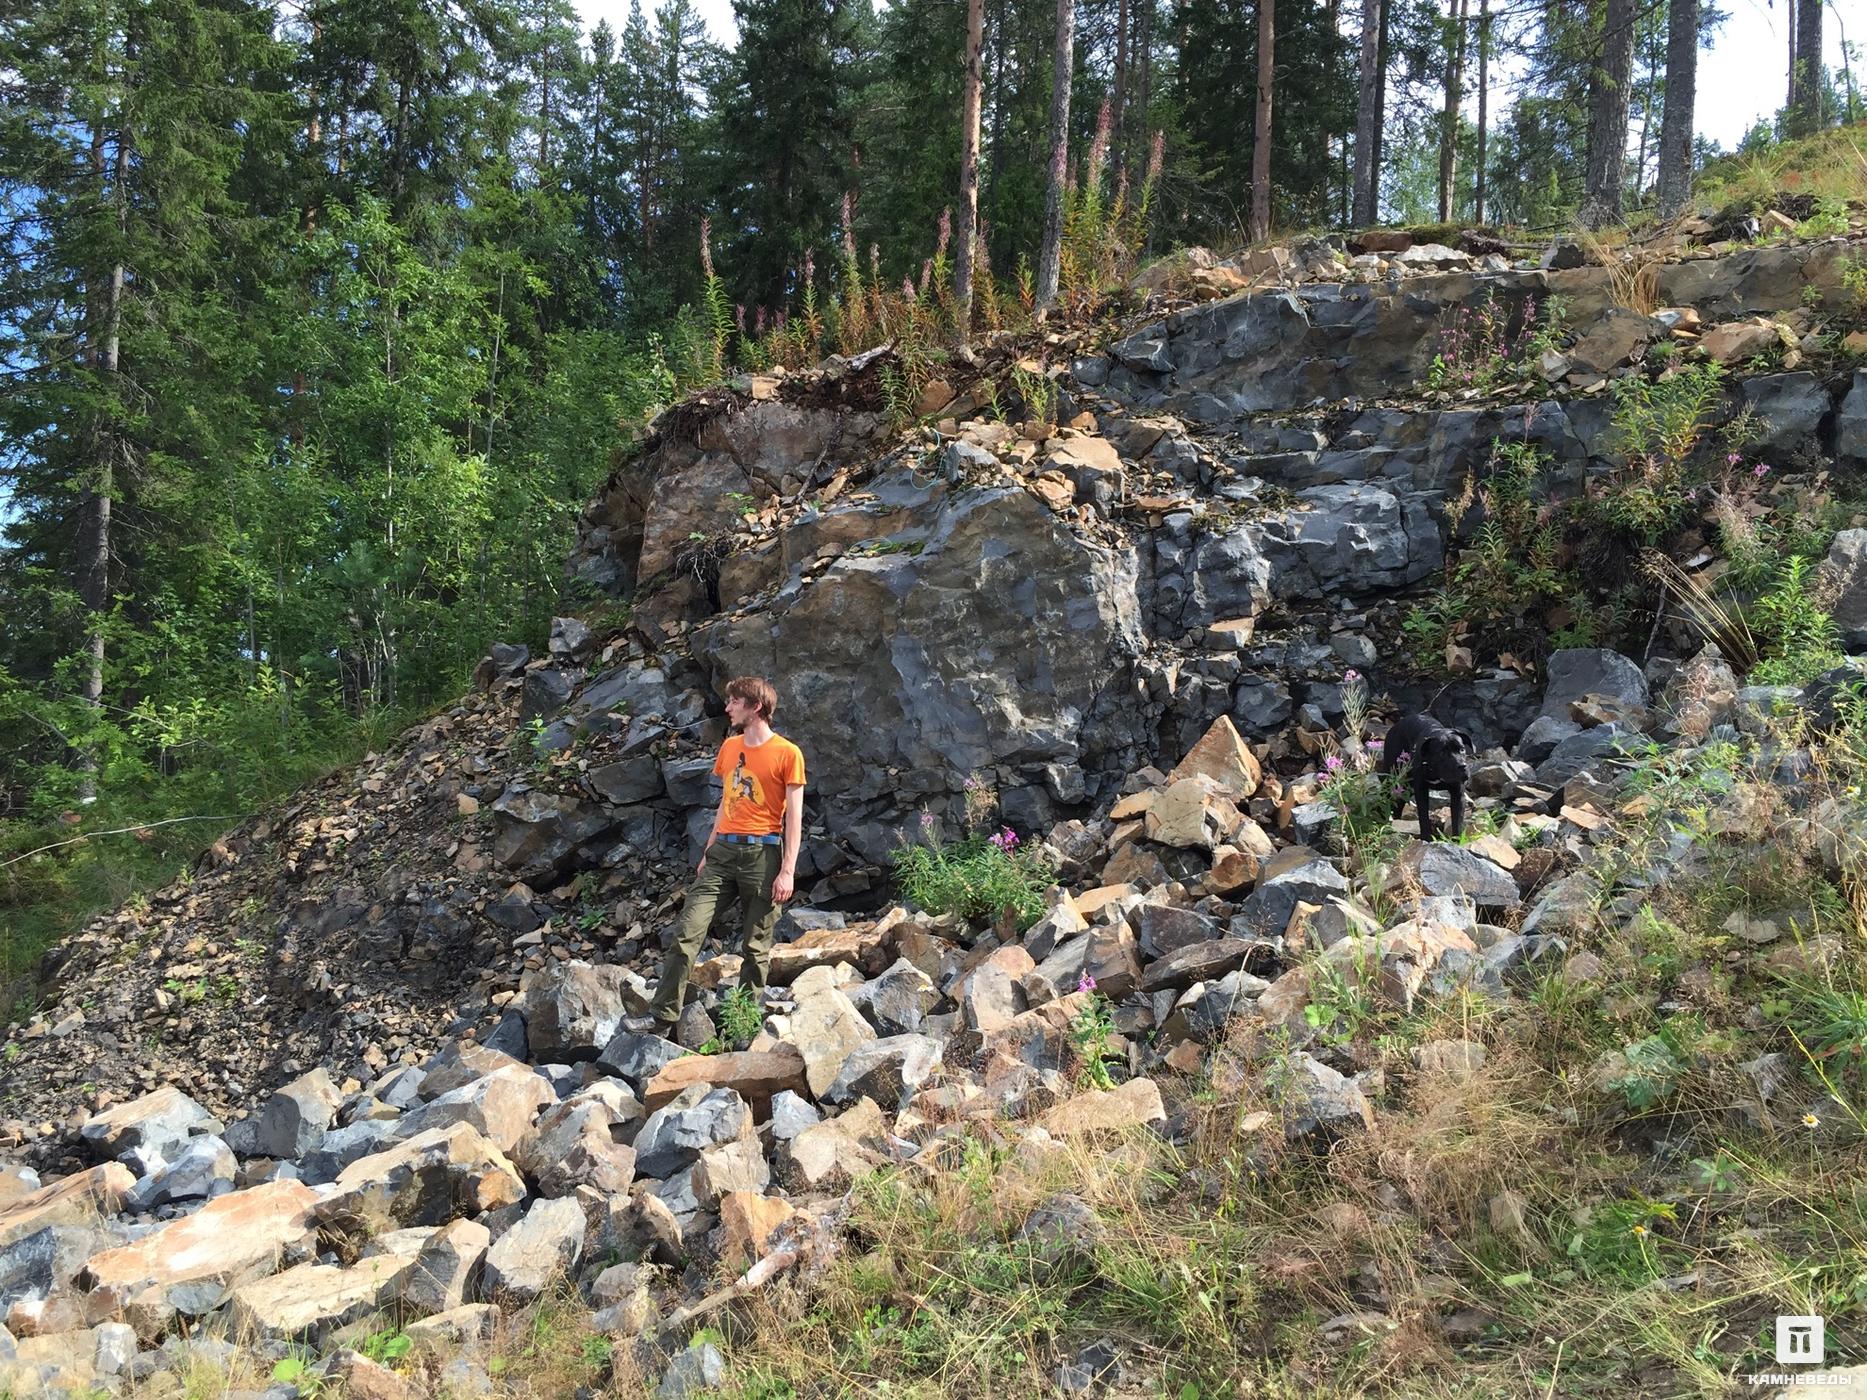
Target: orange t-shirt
column 756, row 778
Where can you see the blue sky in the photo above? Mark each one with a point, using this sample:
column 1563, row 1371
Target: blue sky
column 1743, row 76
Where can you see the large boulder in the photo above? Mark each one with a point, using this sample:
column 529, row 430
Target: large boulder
column 156, row 1123
column 987, row 646
column 573, row 1010
column 1844, row 577
column 1583, row 671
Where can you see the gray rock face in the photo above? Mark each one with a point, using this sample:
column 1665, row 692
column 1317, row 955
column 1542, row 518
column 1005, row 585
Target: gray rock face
column 1791, row 406
column 32, row 1266
column 204, row 1168
column 1591, row 671
column 1844, row 572
column 1266, row 912
column 536, row 835
column 976, row 651
column 1445, row 869
column 895, row 1002
column 1585, row 751
column 1851, row 423
column 1318, row 1097
column 524, row 1261
column 573, row 1010
column 1165, row 928
column 637, row 1058
column 889, row 1070
column 297, row 1116
column 696, row 1118
column 1541, row 738
column 157, row 1122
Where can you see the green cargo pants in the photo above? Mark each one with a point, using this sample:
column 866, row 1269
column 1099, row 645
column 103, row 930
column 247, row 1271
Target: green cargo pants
column 732, row 869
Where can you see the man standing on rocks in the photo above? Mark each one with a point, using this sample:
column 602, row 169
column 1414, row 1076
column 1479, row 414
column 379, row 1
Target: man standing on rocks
column 753, row 848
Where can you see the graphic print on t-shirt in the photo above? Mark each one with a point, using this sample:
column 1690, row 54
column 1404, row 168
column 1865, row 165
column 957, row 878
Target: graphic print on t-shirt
column 742, row 785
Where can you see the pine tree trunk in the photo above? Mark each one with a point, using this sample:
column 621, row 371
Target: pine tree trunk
column 1121, row 85
column 1789, row 90
column 1050, row 259
column 969, row 169
column 1261, row 131
column 1484, row 101
column 94, row 548
column 1449, row 123
column 1607, row 117
column 1368, row 117
column 1675, row 175
column 1847, row 72
column 1807, row 82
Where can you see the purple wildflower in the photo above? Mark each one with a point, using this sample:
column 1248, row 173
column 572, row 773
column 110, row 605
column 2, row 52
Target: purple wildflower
column 1376, row 745
column 1351, row 674
column 927, row 821
column 1733, row 458
column 1006, row 840
column 1333, row 763
column 1760, row 471
column 1085, row 983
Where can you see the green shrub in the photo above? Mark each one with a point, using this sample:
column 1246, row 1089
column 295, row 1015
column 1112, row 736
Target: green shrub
column 979, row 878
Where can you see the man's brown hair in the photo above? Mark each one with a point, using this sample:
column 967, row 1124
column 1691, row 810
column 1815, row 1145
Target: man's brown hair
column 755, row 691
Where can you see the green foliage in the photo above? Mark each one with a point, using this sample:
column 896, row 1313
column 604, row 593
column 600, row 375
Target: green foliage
column 1478, row 352
column 1797, row 637
column 1089, row 1032
column 1648, row 1073
column 741, row 1016
column 980, row 877
column 1657, row 425
column 387, row 1347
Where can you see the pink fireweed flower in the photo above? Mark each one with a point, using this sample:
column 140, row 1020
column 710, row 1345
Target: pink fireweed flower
column 1760, row 471
column 1099, row 148
column 1733, row 458
column 1333, row 763
column 739, row 316
column 927, row 821
column 946, row 232
column 926, row 274
column 849, row 224
column 810, row 266
column 1375, row 745
column 1351, row 674
column 758, row 320
column 1085, row 983
column 1156, row 153
column 907, row 287
column 1006, row 840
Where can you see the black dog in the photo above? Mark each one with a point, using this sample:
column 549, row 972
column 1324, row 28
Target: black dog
column 1436, row 757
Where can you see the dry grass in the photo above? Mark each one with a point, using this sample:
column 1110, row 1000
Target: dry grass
column 1830, row 164
column 1633, row 270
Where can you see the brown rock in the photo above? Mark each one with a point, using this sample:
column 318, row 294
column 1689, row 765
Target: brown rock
column 754, row 1075
column 866, row 946
column 228, row 1241
column 747, row 1221
column 363, row 1379
column 428, row 1180
column 75, row 1199
column 1135, row 1104
column 1222, row 756
column 1737, row 341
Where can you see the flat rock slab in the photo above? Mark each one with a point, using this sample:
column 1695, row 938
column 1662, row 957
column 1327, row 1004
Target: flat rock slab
column 75, row 1199
column 157, row 1121
column 867, row 947
column 1198, row 962
column 228, row 1241
column 1136, row 1104
column 428, row 1180
column 312, row 1299
column 755, row 1075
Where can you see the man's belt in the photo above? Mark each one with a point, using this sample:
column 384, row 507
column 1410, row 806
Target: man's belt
column 739, row 839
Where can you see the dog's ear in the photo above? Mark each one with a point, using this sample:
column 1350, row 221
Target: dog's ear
column 1465, row 741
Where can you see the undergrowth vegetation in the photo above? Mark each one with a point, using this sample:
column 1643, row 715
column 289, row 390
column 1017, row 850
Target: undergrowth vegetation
column 1660, row 1150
